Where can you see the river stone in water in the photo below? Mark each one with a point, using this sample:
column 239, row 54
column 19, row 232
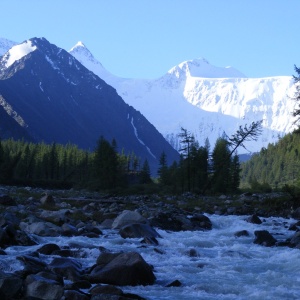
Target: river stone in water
column 264, row 238
column 66, row 267
column 128, row 217
column 43, row 288
column 126, row 269
column 138, row 231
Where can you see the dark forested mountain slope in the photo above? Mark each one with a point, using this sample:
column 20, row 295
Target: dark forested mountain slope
column 47, row 95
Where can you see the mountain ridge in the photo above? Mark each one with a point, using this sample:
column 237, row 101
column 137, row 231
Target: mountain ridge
column 209, row 106
column 62, row 101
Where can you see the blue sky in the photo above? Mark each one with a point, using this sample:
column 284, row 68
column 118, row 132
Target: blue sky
column 145, row 38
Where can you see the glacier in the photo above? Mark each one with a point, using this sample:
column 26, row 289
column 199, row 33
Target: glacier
column 206, row 100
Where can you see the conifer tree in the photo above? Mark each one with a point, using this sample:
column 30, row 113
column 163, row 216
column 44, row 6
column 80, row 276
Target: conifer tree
column 105, row 164
column 145, row 175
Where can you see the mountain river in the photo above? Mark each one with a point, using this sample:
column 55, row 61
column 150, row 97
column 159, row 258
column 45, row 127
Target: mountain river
column 223, row 266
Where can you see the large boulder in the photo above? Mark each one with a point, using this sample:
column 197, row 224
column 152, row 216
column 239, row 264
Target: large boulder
column 126, row 269
column 264, row 238
column 9, row 236
column 166, row 221
column 32, row 264
column 138, row 230
column 254, row 219
column 128, row 217
column 10, row 286
column 6, row 200
column 201, row 222
column 39, row 287
column 66, row 267
column 295, row 240
column 41, row 228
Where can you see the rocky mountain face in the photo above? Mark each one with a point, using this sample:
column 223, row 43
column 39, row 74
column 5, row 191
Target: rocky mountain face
column 47, row 95
column 206, row 100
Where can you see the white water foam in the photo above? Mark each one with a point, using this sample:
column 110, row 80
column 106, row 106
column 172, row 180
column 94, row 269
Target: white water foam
column 226, row 267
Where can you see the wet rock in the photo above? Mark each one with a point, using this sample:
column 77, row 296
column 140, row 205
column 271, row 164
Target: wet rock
column 138, row 230
column 201, row 222
column 69, row 230
column 105, row 258
column 295, row 226
column 254, row 219
column 174, row 283
column 241, row 233
column 9, row 236
column 48, row 249
column 57, row 216
column 6, row 200
column 75, row 295
column 128, row 217
column 47, row 200
column 67, row 267
column 264, row 238
column 105, row 289
column 166, row 221
column 295, row 240
column 32, row 264
column 43, row 288
column 10, row 286
column 41, row 228
column 126, row 269
column 150, row 241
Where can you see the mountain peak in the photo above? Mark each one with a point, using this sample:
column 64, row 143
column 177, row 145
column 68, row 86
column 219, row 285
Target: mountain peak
column 17, row 52
column 200, row 67
column 5, row 45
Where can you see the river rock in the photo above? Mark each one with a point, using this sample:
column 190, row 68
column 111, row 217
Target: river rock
column 48, row 249
column 67, row 267
column 75, row 295
column 138, row 230
column 105, row 289
column 56, row 216
column 32, row 264
column 43, row 288
column 201, row 222
column 126, row 269
column 69, row 230
column 264, row 238
column 295, row 240
column 128, row 217
column 166, row 221
column 47, row 200
column 6, row 200
column 241, row 233
column 254, row 219
column 41, row 228
column 10, row 286
column 9, row 236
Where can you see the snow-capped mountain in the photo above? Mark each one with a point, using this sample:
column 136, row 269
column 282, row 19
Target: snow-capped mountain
column 48, row 95
column 5, row 45
column 204, row 99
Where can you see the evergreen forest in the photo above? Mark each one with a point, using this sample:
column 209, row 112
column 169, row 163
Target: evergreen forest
column 67, row 166
column 275, row 167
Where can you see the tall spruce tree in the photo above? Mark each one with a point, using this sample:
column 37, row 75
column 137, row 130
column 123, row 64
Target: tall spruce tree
column 105, row 164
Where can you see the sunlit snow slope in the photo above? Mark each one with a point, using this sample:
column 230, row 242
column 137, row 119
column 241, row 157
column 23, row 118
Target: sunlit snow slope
column 205, row 99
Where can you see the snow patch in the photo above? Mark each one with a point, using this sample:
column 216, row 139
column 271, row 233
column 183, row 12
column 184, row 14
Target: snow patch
column 41, row 87
column 17, row 52
column 136, row 134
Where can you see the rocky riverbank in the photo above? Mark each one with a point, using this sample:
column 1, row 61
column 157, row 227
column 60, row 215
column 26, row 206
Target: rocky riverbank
column 28, row 213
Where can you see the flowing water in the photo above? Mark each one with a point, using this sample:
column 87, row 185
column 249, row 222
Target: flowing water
column 223, row 267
